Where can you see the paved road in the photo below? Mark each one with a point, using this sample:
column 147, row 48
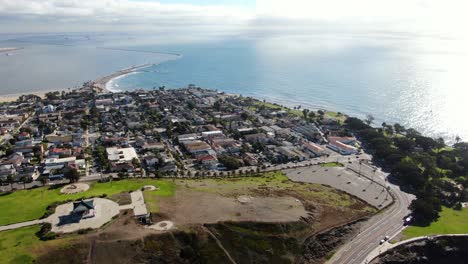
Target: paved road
column 387, row 223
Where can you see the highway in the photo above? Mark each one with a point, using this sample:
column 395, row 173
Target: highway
column 387, row 223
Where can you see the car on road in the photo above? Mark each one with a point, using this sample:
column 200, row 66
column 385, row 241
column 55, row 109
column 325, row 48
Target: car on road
column 408, row 220
column 381, row 242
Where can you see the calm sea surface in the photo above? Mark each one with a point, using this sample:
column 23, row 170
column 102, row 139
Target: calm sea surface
column 416, row 81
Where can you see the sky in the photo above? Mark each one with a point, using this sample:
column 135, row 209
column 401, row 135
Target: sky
column 235, row 16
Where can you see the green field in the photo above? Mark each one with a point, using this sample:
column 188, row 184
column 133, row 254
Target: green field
column 14, row 244
column 450, row 222
column 332, row 164
column 27, row 205
column 18, row 246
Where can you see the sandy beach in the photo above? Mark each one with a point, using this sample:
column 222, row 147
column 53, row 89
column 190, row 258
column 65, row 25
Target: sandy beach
column 8, row 49
column 99, row 83
column 13, row 97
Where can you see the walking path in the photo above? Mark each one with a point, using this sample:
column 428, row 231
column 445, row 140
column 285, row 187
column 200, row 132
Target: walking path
column 23, row 224
column 220, row 245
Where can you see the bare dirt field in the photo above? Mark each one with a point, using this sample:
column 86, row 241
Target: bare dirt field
column 195, row 207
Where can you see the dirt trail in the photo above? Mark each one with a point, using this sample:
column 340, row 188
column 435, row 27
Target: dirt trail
column 219, row 244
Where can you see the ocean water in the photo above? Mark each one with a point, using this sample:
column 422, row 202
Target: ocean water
column 417, row 81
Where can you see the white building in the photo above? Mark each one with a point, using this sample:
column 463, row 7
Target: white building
column 121, row 155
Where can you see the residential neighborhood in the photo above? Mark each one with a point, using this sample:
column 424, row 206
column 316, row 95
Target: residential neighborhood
column 157, row 133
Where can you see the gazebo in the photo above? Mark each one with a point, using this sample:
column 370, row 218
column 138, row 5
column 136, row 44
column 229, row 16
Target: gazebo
column 85, row 209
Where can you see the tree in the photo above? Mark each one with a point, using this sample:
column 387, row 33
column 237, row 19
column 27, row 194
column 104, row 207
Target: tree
column 10, row 179
column 71, row 174
column 399, row 128
column 43, row 180
column 426, row 209
column 191, row 104
column 458, row 139
column 24, row 179
column 136, row 163
column 305, row 112
column 369, row 119
column 230, row 162
column 311, row 115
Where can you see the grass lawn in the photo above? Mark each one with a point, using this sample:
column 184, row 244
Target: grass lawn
column 332, row 164
column 450, row 222
column 16, row 246
column 151, row 197
column 27, row 205
column 334, row 115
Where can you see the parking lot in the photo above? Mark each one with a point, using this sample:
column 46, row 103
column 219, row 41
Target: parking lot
column 345, row 180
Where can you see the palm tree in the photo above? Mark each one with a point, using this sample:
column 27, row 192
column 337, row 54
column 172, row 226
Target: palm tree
column 43, row 180
column 23, row 179
column 10, row 180
column 369, row 119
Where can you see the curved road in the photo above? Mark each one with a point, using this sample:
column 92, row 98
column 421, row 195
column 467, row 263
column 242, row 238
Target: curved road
column 387, row 223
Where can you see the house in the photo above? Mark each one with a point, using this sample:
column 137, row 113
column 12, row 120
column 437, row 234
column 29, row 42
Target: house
column 7, row 170
column 342, row 148
column 23, row 136
column 187, row 137
column 153, row 146
column 222, row 145
column 60, row 152
column 208, row 161
column 196, row 147
column 292, row 153
column 250, row 160
column 212, row 134
column 344, row 140
column 343, row 145
column 54, row 165
column 121, row 158
column 309, row 131
column 15, row 159
column 259, row 137
column 84, row 209
column 59, row 139
column 313, row 148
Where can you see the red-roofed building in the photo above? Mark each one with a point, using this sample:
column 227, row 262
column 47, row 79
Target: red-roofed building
column 208, row 161
column 313, row 148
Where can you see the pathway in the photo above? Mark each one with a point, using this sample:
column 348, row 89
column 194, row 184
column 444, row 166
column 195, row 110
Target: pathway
column 219, row 244
column 23, row 224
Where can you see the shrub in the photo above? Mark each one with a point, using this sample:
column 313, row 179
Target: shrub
column 45, row 232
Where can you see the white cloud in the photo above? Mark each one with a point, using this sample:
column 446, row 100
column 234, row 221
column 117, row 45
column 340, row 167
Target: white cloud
column 294, row 16
column 104, row 14
column 396, row 15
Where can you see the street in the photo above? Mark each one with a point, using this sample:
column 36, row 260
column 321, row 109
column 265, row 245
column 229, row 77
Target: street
column 387, row 223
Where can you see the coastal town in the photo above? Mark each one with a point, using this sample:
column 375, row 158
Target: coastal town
column 265, row 161
column 158, row 133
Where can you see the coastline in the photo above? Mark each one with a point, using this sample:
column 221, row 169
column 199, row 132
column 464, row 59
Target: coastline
column 102, row 83
column 4, row 98
column 9, row 49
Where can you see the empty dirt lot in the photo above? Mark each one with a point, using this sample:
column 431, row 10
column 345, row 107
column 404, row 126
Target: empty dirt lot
column 195, row 207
